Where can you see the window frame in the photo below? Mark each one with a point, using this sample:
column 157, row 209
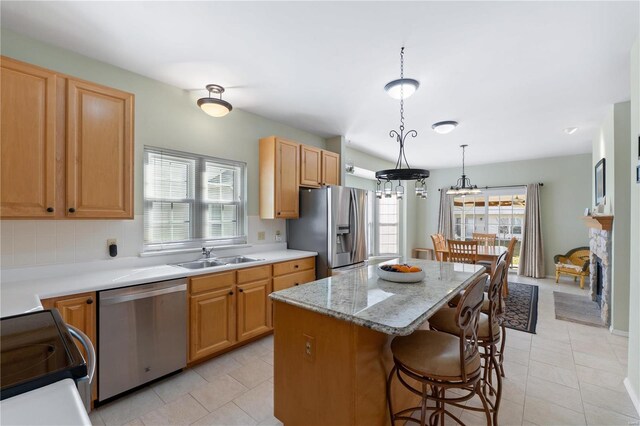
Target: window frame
column 198, row 204
column 377, row 223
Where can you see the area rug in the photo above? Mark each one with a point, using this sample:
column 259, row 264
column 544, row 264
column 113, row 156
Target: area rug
column 521, row 307
column 577, row 308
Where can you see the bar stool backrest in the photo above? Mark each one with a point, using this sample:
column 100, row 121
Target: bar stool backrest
column 463, row 251
column 495, row 293
column 467, row 316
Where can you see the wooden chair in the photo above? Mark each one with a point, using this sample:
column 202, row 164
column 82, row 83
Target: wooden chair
column 463, row 251
column 484, row 239
column 438, row 244
column 490, row 334
column 510, row 248
column 441, row 361
column 574, row 263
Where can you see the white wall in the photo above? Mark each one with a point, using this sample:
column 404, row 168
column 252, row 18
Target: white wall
column 633, row 369
column 611, row 142
column 564, row 196
column 166, row 117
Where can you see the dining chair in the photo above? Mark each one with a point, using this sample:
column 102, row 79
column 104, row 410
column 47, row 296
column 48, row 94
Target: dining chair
column 490, row 334
column 463, row 251
column 484, row 239
column 510, row 252
column 429, row 363
column 439, row 244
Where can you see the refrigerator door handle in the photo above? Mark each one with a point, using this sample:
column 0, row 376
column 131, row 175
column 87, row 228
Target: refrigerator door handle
column 355, row 232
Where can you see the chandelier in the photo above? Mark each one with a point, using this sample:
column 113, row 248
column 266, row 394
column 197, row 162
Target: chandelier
column 385, row 177
column 463, row 186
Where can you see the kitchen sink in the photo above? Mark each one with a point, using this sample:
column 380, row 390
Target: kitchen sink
column 219, row 261
column 237, row 259
column 200, row 264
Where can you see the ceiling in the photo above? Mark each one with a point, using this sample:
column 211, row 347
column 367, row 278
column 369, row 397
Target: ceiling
column 514, row 74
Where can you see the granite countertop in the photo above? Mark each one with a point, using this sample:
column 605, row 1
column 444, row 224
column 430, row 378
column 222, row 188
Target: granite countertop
column 392, row 308
column 22, row 296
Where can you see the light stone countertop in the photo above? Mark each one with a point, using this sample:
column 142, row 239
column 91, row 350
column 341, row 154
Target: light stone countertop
column 392, row 308
column 24, row 295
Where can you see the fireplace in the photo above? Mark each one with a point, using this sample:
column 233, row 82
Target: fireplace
column 599, row 279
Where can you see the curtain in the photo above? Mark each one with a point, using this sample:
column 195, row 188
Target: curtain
column 531, row 250
column 445, row 215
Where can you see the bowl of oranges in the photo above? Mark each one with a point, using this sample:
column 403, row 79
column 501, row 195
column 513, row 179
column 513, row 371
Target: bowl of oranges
column 400, row 273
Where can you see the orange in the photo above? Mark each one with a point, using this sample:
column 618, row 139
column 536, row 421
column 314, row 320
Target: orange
column 414, row 269
column 403, row 268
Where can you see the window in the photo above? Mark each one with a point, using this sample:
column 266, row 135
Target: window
column 191, row 200
column 387, row 218
column 499, row 212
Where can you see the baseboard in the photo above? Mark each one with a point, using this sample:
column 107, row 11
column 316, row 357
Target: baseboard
column 618, row 332
column 632, row 394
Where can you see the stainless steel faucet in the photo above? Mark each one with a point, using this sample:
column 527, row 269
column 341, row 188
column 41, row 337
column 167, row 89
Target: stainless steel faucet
column 207, row 252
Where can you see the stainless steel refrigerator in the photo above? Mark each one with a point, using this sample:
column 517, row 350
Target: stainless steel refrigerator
column 332, row 222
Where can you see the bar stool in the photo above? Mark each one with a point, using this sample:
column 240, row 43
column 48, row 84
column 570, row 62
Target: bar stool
column 440, row 361
column 489, row 336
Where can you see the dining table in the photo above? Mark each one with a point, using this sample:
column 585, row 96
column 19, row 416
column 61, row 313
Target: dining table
column 485, row 253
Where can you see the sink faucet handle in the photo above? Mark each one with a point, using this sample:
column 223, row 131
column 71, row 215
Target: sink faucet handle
column 206, row 252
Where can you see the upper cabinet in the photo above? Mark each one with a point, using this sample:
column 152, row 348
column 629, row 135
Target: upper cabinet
column 279, row 172
column 67, row 146
column 310, row 166
column 285, row 166
column 28, row 141
column 99, row 151
column 330, row 168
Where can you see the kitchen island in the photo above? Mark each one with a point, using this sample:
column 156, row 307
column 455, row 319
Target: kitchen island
column 332, row 336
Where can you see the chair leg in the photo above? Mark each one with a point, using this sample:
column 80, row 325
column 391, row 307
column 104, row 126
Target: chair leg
column 575, row 279
column 557, row 277
column 485, row 405
column 582, row 281
column 503, row 339
column 496, row 407
column 393, row 370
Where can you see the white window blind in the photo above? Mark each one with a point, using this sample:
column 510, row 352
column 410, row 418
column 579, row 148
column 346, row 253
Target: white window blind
column 192, row 200
column 387, row 220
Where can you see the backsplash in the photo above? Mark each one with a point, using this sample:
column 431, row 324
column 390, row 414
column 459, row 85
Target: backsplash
column 25, row 243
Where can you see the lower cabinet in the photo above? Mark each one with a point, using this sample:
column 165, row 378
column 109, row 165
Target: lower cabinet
column 79, row 310
column 254, row 309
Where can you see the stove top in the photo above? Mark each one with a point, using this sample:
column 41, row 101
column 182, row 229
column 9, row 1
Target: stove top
column 36, row 349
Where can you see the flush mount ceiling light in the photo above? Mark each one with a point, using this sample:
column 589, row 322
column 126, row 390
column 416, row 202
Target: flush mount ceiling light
column 570, row 130
column 402, row 87
column 215, row 107
column 444, row 127
column 398, row 173
column 463, row 186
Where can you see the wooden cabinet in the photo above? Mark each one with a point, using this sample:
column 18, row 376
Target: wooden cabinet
column 79, row 310
column 212, row 325
column 66, row 145
column 310, row 166
column 293, row 273
column 99, row 151
column 28, row 141
column 254, row 309
column 279, row 174
column 330, row 168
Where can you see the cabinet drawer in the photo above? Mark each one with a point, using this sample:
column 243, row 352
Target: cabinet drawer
column 294, row 266
column 254, row 274
column 280, row 283
column 211, row 282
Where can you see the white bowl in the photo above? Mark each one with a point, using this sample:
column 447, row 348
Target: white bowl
column 400, row 277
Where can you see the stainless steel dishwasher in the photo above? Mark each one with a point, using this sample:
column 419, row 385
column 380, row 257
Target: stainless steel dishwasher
column 141, row 335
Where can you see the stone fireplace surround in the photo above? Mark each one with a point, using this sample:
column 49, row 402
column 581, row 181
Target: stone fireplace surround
column 600, row 246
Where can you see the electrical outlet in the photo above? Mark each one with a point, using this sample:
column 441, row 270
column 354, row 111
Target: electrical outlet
column 261, row 236
column 309, row 348
column 278, row 235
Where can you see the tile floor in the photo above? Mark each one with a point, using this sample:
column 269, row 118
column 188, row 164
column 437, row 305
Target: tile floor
column 566, row 374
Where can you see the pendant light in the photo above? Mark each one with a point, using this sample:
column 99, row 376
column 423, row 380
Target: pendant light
column 215, row 107
column 399, row 173
column 463, row 186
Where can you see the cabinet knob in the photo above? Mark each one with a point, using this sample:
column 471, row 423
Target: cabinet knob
column 89, row 301
column 278, row 213
column 49, row 209
column 240, row 290
column 295, row 266
column 297, row 284
column 230, row 293
column 72, row 210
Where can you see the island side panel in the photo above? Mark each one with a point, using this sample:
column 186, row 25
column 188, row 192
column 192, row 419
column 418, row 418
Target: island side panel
column 341, row 382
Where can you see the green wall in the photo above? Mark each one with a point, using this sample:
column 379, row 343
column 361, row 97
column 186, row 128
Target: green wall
column 565, row 195
column 166, row 116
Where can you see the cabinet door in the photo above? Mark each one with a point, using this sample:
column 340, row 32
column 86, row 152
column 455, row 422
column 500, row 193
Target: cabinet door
column 310, row 166
column 330, row 168
column 254, row 310
column 286, row 190
column 99, row 151
column 79, row 310
column 28, row 158
column 212, row 324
